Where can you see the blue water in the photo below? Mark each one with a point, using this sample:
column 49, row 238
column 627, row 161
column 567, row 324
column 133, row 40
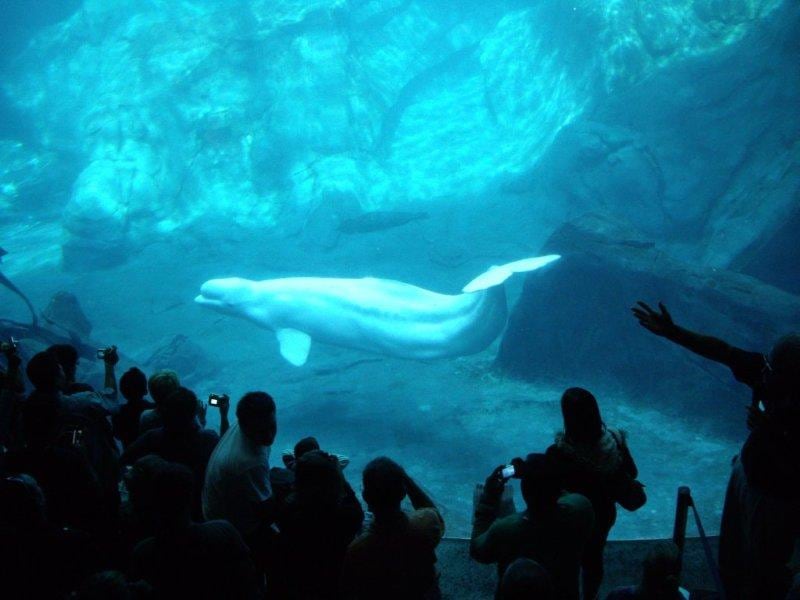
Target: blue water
column 146, row 147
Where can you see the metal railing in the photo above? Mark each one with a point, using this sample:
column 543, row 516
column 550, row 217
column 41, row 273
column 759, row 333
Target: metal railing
column 686, row 502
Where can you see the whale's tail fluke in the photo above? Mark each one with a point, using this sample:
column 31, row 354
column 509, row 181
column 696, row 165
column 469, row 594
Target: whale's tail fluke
column 497, row 275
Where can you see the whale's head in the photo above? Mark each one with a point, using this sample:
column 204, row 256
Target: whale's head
column 229, row 296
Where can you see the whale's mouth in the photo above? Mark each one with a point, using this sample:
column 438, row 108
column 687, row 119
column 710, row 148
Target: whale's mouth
column 206, row 301
column 210, row 296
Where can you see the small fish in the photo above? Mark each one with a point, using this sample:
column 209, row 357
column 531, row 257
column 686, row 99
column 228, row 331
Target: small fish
column 378, row 220
column 642, row 244
column 169, row 308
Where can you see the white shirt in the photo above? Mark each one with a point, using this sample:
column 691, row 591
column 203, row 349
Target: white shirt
column 237, row 481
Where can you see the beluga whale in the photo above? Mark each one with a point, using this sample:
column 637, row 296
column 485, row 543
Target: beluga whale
column 376, row 315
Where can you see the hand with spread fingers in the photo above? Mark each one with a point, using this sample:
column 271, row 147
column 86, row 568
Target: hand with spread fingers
column 658, row 322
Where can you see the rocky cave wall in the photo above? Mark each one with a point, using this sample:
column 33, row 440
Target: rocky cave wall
column 154, row 116
column 684, row 188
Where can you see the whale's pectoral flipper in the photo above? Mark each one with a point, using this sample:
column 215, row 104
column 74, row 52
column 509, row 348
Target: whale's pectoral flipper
column 497, row 275
column 295, row 346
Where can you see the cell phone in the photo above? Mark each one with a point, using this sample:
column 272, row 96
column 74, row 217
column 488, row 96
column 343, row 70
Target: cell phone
column 508, row 472
column 77, row 437
column 213, row 399
column 101, row 353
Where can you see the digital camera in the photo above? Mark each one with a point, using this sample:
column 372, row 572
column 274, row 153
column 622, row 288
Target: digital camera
column 214, row 399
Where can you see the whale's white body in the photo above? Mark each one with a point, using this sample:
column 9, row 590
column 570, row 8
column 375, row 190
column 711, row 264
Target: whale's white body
column 375, row 315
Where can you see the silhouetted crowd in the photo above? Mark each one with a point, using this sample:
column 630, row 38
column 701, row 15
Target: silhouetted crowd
column 111, row 495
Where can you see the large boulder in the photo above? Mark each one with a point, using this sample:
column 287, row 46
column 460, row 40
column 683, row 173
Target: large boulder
column 100, row 219
column 64, row 312
column 30, row 178
column 185, row 357
column 572, row 322
column 774, row 258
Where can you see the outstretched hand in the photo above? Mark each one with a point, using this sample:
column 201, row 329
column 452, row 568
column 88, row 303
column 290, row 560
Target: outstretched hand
column 660, row 322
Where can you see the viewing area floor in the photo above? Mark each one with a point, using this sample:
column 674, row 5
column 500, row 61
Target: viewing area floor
column 464, row 579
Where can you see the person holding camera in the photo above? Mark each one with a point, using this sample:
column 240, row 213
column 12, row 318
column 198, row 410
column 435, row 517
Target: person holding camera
column 83, row 421
column 553, row 530
column 761, row 514
column 221, row 402
column 67, row 356
column 180, row 440
column 70, row 485
column 237, row 485
column 165, row 382
column 396, row 556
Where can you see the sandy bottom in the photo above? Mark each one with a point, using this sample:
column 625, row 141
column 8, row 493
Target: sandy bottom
column 449, row 422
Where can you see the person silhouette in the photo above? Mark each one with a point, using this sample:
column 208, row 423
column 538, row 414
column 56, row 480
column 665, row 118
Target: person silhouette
column 761, row 514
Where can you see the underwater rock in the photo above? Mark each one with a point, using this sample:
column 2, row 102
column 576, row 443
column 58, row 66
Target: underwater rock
column 95, row 220
column 332, row 190
column 118, row 184
column 572, row 324
column 310, row 88
column 238, row 99
column 65, row 313
column 534, row 82
column 658, row 31
column 392, row 116
column 774, row 256
column 184, row 357
column 702, row 155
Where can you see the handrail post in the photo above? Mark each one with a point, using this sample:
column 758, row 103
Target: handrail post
column 681, row 517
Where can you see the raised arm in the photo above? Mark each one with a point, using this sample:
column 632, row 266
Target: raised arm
column 483, row 545
column 110, row 360
column 419, row 499
column 224, row 405
column 661, row 324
